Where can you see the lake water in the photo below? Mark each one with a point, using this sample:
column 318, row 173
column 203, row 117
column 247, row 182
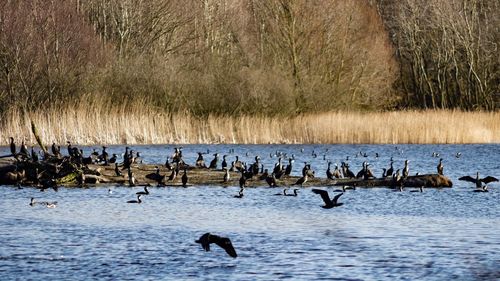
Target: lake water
column 377, row 234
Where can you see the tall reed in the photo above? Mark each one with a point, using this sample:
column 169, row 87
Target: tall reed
column 134, row 124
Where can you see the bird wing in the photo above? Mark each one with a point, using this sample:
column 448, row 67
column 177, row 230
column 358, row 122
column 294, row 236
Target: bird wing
column 336, row 198
column 226, row 244
column 468, row 178
column 489, row 179
column 324, row 195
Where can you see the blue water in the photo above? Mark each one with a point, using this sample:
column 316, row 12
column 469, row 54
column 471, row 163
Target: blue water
column 377, row 234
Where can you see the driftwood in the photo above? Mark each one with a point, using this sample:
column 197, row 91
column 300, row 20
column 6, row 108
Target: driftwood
column 67, row 174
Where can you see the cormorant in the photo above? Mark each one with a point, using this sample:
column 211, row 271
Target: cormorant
column 301, row 181
column 184, row 178
column 213, row 163
column 478, row 181
column 12, row 147
column 145, row 192
column 138, row 201
column 440, row 167
column 329, row 203
column 406, row 169
column 223, row 242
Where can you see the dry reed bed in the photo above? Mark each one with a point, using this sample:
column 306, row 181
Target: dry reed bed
column 136, row 125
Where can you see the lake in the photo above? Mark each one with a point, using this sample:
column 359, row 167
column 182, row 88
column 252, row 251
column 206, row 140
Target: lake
column 378, row 234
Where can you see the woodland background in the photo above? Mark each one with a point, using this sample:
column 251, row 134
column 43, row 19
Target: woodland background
column 248, row 57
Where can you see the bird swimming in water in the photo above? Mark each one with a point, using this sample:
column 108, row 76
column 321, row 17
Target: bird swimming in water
column 145, row 192
column 329, row 203
column 294, row 192
column 482, row 189
column 138, row 201
column 478, row 180
column 47, row 204
column 281, row 193
column 206, row 239
column 240, row 193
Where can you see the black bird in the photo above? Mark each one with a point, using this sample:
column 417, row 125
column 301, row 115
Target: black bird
column 406, row 169
column 213, row 163
column 24, row 149
column 145, row 192
column 184, row 178
column 156, row 175
column 301, row 181
column 47, row 204
column 329, row 173
column 240, row 193
column 440, row 167
column 294, row 192
column 224, row 162
column 117, row 171
column 390, row 171
column 12, row 146
column 138, row 201
column 223, row 242
column 34, row 155
column 271, row 180
column 243, row 180
column 329, row 203
column 288, row 169
column 227, row 176
column 113, row 158
column 478, row 181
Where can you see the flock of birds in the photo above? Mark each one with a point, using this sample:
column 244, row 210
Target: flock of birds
column 176, row 163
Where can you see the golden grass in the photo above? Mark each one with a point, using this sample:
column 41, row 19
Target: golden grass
column 136, row 125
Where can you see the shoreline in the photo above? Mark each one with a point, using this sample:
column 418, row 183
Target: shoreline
column 87, row 127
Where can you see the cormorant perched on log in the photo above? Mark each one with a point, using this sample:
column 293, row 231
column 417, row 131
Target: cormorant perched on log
column 200, row 162
column 24, row 149
column 440, row 167
column 223, row 242
column 271, row 180
column 227, row 176
column 12, row 147
column 336, row 172
column 478, row 180
column 288, row 169
column 224, row 162
column 213, row 163
column 329, row 173
column 117, row 171
column 329, row 203
column 184, row 178
column 390, row 171
column 406, row 169
column 113, row 158
column 302, row 180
